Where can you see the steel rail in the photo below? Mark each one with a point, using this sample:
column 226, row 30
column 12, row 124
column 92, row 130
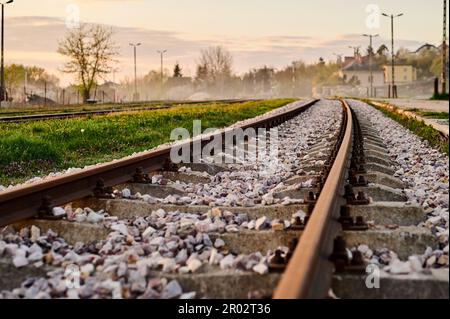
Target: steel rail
column 309, row 272
column 24, row 201
column 67, row 115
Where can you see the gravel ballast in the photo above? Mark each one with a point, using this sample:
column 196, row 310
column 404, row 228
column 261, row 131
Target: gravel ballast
column 425, row 172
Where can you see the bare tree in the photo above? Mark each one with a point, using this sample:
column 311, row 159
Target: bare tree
column 201, row 78
column 218, row 61
column 91, row 52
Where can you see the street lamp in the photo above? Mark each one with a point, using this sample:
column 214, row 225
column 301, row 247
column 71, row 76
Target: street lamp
column 136, row 96
column 392, row 17
column 371, row 36
column 162, row 52
column 444, row 51
column 2, row 84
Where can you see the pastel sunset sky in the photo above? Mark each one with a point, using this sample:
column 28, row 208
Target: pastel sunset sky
column 257, row 32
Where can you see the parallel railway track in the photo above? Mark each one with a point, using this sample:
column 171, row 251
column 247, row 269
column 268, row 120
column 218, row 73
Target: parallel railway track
column 348, row 185
column 67, row 115
column 24, row 202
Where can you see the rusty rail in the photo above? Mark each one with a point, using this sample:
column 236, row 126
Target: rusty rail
column 25, row 201
column 309, row 273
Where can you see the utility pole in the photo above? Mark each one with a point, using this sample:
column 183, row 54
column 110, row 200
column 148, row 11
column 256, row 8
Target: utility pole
column 3, row 95
column 371, row 36
column 161, row 52
column 114, row 85
column 293, row 79
column 444, row 52
column 45, row 93
column 393, row 87
column 136, row 95
column 25, row 85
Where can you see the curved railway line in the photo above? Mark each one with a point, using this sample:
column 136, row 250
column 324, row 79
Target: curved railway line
column 304, row 238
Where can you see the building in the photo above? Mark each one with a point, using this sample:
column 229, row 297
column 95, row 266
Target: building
column 348, row 60
column 178, row 81
column 107, row 92
column 404, row 73
column 358, row 73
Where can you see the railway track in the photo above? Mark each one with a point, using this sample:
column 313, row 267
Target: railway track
column 66, row 115
column 305, row 225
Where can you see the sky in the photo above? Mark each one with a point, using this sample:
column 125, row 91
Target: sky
column 257, row 32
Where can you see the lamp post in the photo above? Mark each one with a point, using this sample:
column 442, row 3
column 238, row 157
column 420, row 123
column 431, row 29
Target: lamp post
column 2, row 84
column 294, row 79
column 25, row 86
column 45, row 92
column 162, row 52
column 371, row 36
column 392, row 17
column 444, row 51
column 135, row 45
column 115, row 70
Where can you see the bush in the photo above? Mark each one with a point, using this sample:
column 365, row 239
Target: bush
column 440, row 97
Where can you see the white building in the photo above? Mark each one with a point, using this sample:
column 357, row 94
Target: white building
column 358, row 73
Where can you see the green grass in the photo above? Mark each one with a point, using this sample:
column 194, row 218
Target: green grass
column 419, row 128
column 434, row 115
column 38, row 148
column 57, row 109
column 440, row 97
column 430, row 115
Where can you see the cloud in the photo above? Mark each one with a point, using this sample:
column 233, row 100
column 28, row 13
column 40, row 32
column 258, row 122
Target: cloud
column 34, row 40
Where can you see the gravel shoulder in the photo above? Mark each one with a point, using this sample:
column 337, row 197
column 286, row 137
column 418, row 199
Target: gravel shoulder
column 425, row 172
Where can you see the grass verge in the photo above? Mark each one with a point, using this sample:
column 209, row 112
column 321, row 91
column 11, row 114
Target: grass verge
column 440, row 97
column 61, row 109
column 430, row 115
column 38, row 148
column 419, row 128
